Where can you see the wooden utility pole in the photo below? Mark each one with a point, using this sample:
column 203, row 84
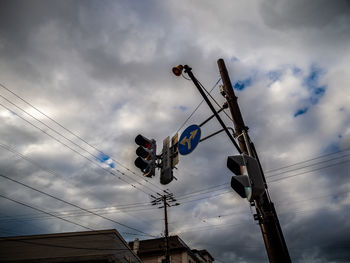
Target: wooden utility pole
column 266, row 215
column 167, row 257
column 167, row 200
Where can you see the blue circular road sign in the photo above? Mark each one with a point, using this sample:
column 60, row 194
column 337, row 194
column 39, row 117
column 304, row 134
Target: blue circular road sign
column 189, row 139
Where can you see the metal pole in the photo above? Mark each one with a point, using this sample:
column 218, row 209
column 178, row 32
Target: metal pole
column 167, row 257
column 276, row 247
column 188, row 70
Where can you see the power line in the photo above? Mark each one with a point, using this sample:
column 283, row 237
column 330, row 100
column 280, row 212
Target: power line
column 62, row 246
column 207, row 197
column 313, row 170
column 67, row 215
column 45, row 212
column 124, row 208
column 189, row 117
column 312, row 159
column 66, row 138
column 78, row 212
column 74, row 205
column 212, row 227
column 8, row 148
column 310, row 165
column 72, row 133
column 205, row 189
column 128, row 208
column 199, row 194
column 213, row 98
column 77, row 152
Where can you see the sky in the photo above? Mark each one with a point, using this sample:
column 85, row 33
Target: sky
column 81, row 79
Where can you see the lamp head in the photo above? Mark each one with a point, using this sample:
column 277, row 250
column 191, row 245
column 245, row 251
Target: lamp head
column 178, row 70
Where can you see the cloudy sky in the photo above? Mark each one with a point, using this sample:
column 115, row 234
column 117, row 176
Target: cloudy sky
column 80, row 79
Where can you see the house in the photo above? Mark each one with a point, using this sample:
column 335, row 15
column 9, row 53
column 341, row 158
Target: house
column 153, row 251
column 105, row 246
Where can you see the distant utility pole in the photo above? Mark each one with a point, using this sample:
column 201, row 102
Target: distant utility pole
column 266, row 215
column 167, row 200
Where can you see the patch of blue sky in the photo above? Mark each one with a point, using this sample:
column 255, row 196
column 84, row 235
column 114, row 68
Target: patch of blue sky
column 332, row 147
column 118, row 106
column 316, row 91
column 234, row 59
column 275, row 75
column 301, row 111
column 311, row 81
column 242, row 84
column 104, row 158
column 183, row 108
column 296, row 71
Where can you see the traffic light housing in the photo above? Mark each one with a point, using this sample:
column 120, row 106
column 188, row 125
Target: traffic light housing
column 248, row 182
column 166, row 171
column 146, row 160
column 174, row 150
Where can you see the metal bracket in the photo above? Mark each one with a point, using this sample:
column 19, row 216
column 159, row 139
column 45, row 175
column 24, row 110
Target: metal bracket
column 215, row 133
column 224, row 106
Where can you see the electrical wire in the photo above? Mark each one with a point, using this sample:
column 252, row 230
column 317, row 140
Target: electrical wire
column 70, row 215
column 74, row 213
column 198, row 194
column 313, row 170
column 66, row 138
column 45, row 169
column 72, row 133
column 8, row 148
column 122, row 209
column 310, row 165
column 10, row 239
column 202, row 190
column 207, row 197
column 77, row 152
column 189, row 117
column 228, row 116
column 74, row 205
column 45, row 212
column 312, row 159
column 211, row 227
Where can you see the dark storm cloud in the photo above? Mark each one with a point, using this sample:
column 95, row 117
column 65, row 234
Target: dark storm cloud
column 103, row 68
column 301, row 14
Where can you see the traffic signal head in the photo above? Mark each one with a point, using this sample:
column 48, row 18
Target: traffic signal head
column 146, row 160
column 248, row 182
column 174, row 150
column 166, row 171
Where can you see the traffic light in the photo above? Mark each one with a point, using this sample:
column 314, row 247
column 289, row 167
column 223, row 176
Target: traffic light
column 166, row 171
column 174, row 150
column 146, row 160
column 248, row 182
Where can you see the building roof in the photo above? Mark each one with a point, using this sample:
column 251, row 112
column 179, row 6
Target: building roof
column 91, row 246
column 156, row 247
column 153, row 246
column 203, row 253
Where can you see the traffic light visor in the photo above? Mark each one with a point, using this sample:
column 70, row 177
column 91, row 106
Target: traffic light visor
column 234, row 163
column 140, row 151
column 240, row 184
column 141, row 163
column 143, row 141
